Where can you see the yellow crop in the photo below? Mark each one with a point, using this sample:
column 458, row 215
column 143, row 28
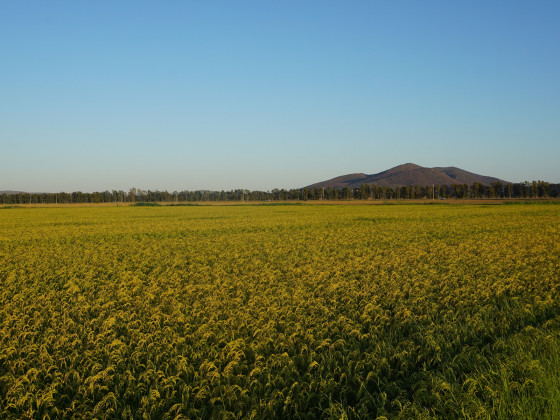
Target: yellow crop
column 308, row 311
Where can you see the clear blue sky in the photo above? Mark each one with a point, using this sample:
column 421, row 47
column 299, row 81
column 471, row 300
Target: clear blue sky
column 176, row 95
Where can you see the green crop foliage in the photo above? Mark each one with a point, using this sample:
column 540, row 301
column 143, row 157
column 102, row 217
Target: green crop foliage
column 310, row 311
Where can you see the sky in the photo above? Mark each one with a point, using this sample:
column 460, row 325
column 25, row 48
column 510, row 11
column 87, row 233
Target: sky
column 219, row 95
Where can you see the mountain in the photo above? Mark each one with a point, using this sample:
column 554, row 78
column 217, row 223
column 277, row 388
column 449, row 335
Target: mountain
column 10, row 192
column 409, row 174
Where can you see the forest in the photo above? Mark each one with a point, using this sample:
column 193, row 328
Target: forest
column 535, row 189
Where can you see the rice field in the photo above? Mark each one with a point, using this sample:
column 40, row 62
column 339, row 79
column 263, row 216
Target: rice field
column 284, row 311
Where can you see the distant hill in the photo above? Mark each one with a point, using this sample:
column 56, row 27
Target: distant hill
column 10, row 192
column 409, row 174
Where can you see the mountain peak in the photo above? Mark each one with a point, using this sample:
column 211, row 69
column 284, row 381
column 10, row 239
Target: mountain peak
column 407, row 166
column 408, row 174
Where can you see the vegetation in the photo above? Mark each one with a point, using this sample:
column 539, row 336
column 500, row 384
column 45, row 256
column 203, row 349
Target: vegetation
column 535, row 189
column 280, row 312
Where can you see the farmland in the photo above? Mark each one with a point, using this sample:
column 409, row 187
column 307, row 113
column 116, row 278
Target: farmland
column 295, row 311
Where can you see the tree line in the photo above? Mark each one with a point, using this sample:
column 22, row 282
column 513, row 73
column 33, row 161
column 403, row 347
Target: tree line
column 535, row 189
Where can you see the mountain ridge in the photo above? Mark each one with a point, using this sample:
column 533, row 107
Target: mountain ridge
column 408, row 174
column 10, row 192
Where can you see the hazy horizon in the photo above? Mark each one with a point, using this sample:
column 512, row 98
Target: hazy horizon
column 206, row 96
column 206, row 189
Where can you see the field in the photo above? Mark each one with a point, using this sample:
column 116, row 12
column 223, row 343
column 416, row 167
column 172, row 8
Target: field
column 292, row 311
